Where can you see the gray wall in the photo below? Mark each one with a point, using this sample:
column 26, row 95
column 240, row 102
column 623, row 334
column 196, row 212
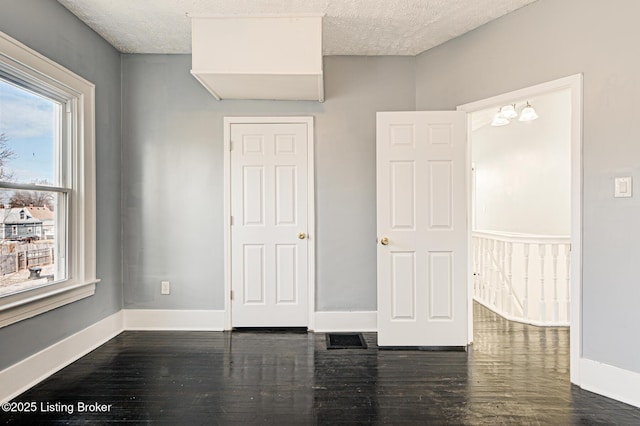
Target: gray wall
column 173, row 172
column 541, row 42
column 50, row 29
column 172, row 167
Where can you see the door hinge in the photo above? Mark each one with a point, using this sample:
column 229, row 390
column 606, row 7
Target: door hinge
column 231, row 294
column 231, row 221
column 230, row 145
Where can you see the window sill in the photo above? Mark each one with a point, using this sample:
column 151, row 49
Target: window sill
column 20, row 306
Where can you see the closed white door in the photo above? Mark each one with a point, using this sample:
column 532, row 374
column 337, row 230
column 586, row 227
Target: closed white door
column 422, row 229
column 269, row 258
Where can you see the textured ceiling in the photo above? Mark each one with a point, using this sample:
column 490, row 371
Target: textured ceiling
column 350, row 27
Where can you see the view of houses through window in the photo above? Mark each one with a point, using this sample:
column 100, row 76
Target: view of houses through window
column 30, row 240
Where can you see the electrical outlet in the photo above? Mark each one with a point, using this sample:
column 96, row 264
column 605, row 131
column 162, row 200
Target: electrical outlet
column 165, row 287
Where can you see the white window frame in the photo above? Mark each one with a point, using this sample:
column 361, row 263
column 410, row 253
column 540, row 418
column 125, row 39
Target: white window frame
column 81, row 278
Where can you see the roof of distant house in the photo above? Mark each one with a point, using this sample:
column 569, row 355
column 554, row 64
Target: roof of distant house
column 12, row 216
column 42, row 213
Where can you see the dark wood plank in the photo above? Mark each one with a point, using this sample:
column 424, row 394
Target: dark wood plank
column 513, row 374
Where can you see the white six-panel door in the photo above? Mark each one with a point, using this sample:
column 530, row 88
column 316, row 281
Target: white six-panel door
column 269, row 234
column 422, row 229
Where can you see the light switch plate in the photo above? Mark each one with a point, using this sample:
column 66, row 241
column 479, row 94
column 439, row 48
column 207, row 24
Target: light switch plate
column 623, row 187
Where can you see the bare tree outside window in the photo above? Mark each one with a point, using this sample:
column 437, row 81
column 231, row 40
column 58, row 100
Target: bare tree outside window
column 33, row 198
column 6, row 154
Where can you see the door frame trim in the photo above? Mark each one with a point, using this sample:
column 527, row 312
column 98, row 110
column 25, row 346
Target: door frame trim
column 575, row 84
column 311, row 274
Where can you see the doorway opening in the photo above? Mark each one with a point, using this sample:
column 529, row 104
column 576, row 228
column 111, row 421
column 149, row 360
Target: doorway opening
column 525, row 190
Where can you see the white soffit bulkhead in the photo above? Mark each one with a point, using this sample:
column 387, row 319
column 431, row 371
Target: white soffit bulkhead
column 350, row 27
column 259, row 57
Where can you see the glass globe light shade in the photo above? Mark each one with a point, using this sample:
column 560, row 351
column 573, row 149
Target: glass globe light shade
column 499, row 120
column 508, row 111
column 528, row 113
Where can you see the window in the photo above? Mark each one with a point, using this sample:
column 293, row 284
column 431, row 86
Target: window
column 47, row 181
column 33, row 143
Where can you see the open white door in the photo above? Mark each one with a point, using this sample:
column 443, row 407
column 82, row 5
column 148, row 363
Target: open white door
column 422, row 228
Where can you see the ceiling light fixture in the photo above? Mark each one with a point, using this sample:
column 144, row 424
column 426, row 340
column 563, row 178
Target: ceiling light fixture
column 499, row 119
column 509, row 111
column 528, row 113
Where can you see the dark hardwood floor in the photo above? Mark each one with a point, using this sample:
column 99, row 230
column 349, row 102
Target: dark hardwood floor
column 513, row 374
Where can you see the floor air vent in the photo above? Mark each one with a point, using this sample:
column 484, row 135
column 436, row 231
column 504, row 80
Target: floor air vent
column 345, row 341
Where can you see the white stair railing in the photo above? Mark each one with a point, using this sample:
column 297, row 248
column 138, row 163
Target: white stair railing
column 505, row 280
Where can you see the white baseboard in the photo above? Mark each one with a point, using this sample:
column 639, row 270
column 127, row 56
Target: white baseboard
column 159, row 319
column 32, row 370
column 27, row 373
column 610, row 381
column 522, row 320
column 346, row 321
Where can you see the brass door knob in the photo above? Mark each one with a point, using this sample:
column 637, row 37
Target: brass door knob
column 384, row 241
column 302, row 235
